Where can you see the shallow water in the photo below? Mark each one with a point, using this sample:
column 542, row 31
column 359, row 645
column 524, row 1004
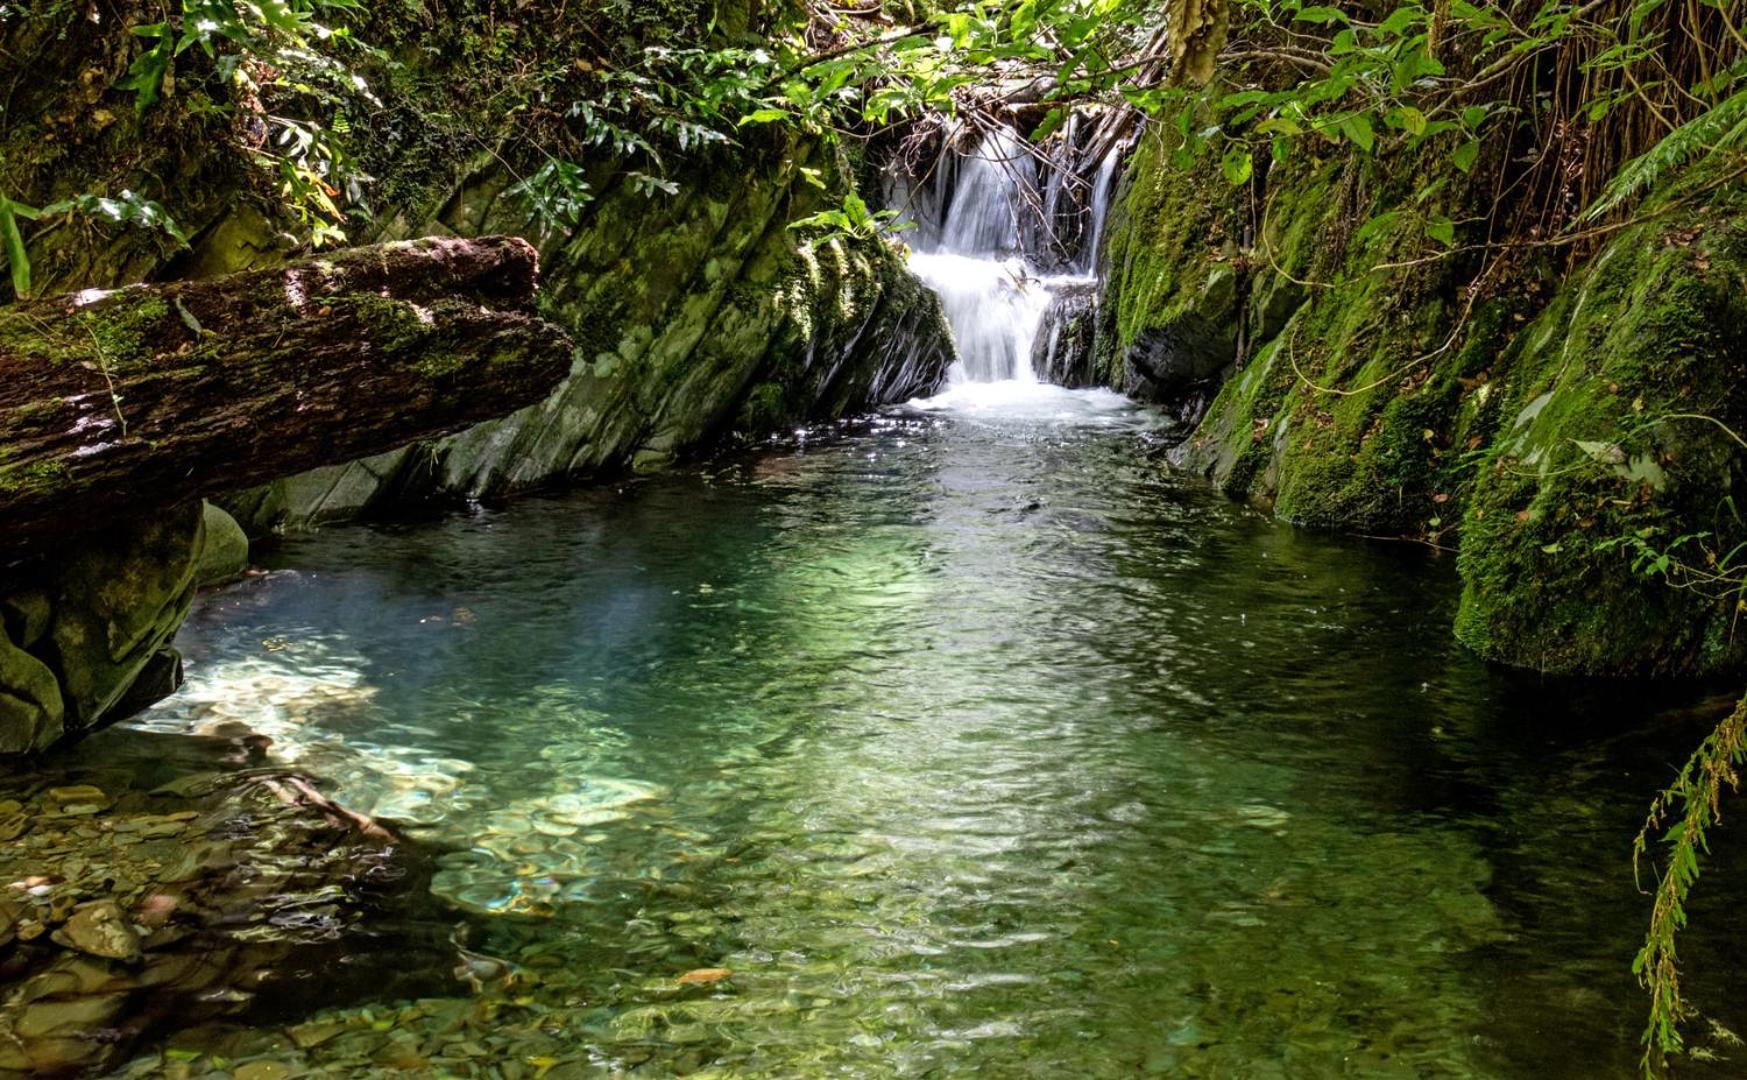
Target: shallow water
column 970, row 740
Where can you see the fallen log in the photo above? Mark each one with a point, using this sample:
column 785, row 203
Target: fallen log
column 154, row 393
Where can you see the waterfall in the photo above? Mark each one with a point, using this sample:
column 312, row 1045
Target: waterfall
column 983, row 242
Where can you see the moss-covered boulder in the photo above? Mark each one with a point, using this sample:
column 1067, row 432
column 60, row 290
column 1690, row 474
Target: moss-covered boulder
column 85, row 636
column 1602, row 535
column 1569, row 428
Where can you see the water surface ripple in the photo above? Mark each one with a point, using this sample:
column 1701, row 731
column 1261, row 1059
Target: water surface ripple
column 970, row 740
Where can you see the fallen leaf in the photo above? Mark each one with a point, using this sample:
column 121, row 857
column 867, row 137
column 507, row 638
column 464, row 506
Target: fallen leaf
column 704, row 976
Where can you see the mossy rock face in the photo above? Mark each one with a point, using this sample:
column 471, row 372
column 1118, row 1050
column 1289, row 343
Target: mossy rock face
column 1563, row 429
column 697, row 317
column 1614, row 448
column 1347, row 408
column 1170, row 314
column 79, row 637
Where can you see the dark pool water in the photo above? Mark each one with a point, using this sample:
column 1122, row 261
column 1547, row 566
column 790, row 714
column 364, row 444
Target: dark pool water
column 972, row 741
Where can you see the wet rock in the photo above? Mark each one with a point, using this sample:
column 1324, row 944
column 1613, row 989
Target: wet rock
column 31, row 711
column 101, row 929
column 1062, row 353
column 181, row 901
column 85, row 640
column 316, row 1032
column 57, row 1018
column 225, row 552
column 76, row 795
column 13, row 826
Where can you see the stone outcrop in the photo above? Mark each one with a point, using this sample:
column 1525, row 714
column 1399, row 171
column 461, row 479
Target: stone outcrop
column 698, row 318
column 1062, row 353
column 85, row 636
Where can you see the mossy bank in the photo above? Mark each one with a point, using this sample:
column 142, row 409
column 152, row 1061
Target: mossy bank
column 1566, row 422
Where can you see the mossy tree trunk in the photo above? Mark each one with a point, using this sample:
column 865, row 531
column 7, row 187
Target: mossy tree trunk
column 111, row 401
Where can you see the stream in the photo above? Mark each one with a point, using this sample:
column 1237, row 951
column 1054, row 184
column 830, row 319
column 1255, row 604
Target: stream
column 967, row 740
column 964, row 738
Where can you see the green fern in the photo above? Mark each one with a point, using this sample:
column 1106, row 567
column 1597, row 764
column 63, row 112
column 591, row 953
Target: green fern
column 1722, row 127
column 1684, row 814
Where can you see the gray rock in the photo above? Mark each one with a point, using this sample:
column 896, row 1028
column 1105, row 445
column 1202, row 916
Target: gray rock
column 225, row 551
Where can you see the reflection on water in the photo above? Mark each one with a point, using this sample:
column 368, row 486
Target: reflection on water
column 966, row 739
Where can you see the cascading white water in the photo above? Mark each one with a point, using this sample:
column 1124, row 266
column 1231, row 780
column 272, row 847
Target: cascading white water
column 975, row 258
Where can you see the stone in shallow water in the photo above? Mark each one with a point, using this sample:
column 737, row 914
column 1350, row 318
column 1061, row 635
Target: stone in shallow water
column 100, row 929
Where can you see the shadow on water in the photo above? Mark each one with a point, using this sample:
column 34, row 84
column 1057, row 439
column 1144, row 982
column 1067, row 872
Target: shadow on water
column 965, row 740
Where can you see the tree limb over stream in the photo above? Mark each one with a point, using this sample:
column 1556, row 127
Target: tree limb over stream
column 111, row 401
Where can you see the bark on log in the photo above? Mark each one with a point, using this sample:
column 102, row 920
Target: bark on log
column 153, row 393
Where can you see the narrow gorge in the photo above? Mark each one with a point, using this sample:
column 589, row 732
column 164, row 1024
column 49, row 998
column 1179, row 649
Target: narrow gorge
column 1060, row 538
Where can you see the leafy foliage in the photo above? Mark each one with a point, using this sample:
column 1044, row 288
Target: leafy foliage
column 1718, row 130
column 1688, row 808
column 255, row 28
column 271, row 49
column 852, row 220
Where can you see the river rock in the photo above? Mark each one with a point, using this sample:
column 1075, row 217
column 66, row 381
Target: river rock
column 31, row 711
column 225, row 552
column 86, row 639
column 100, row 928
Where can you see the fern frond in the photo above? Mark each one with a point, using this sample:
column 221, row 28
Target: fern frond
column 1723, row 126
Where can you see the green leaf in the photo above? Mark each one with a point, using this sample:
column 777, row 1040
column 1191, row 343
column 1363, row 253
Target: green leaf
column 1052, row 123
column 1357, row 127
column 1400, row 19
column 1237, row 165
column 1279, row 125
column 1322, row 16
column 765, row 116
column 1443, row 230
column 1412, row 120
column 13, row 242
column 1464, row 156
column 1376, row 225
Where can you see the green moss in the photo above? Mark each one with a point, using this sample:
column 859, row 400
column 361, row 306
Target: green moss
column 36, row 477
column 1164, row 232
column 1653, row 328
column 395, row 324
column 117, row 329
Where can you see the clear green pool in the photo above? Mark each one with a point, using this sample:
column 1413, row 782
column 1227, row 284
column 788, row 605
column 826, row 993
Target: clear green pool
column 970, row 741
